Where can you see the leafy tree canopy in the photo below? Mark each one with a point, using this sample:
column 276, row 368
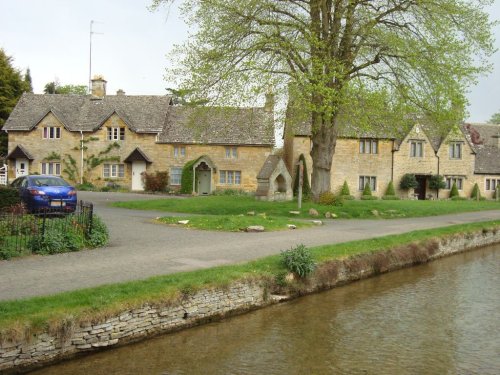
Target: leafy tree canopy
column 372, row 62
column 55, row 87
column 495, row 118
column 12, row 86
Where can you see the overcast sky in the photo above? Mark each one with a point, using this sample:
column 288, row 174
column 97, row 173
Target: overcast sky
column 51, row 37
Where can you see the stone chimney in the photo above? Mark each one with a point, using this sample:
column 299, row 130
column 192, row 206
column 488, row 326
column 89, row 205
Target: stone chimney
column 98, row 87
column 120, row 92
column 269, row 105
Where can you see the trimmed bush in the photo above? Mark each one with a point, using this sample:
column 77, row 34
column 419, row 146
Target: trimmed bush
column 306, row 187
column 476, row 194
column 390, row 198
column 390, row 189
column 367, row 191
column 408, row 182
column 454, row 191
column 345, row 189
column 298, row 260
column 8, row 197
column 157, row 181
column 437, row 182
column 368, row 198
column 329, row 199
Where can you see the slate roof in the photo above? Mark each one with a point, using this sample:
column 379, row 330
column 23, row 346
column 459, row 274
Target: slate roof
column 269, row 166
column 20, row 152
column 137, row 155
column 485, row 140
column 148, row 114
column 143, row 114
column 218, row 125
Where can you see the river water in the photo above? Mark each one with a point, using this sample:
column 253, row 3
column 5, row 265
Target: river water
column 438, row 318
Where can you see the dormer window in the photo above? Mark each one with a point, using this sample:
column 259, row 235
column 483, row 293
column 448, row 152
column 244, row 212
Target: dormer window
column 456, row 150
column 51, row 132
column 116, row 134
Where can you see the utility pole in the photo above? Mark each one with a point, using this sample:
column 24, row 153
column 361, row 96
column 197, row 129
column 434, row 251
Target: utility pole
column 90, row 53
column 301, row 182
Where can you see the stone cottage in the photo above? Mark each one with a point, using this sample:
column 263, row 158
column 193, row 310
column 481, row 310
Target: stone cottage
column 105, row 139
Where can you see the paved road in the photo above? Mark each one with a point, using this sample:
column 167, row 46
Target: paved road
column 139, row 248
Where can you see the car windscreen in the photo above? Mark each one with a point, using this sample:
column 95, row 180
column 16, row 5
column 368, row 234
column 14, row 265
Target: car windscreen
column 48, row 181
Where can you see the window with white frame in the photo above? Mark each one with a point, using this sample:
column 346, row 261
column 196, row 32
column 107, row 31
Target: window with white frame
column 491, row 184
column 459, row 181
column 455, row 150
column 370, row 180
column 231, row 152
column 175, row 175
column 416, row 149
column 53, row 168
column 368, row 146
column 51, row 132
column 179, row 151
column 113, row 170
column 230, row 177
column 116, row 134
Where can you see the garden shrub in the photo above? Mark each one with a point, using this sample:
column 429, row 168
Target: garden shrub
column 458, row 198
column 298, row 260
column 99, row 235
column 327, row 198
column 157, row 181
column 390, row 198
column 454, row 191
column 187, row 177
column 368, row 198
column 390, row 189
column 367, row 191
column 231, row 192
column 86, row 186
column 345, row 193
column 8, row 197
column 437, row 182
column 408, row 182
column 306, row 187
column 476, row 194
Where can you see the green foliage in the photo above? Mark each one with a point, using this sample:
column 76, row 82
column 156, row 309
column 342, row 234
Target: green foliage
column 70, row 168
column 345, row 189
column 437, row 182
column 495, row 119
column 367, row 191
column 8, row 197
column 458, row 198
column 408, row 182
column 12, row 86
column 390, row 198
column 390, row 189
column 56, row 240
column 86, row 186
column 476, row 194
column 187, row 177
column 306, row 187
column 99, row 236
column 231, row 192
column 298, row 260
column 157, row 181
column 454, row 191
column 369, row 198
column 55, row 87
column 329, row 199
column 53, row 156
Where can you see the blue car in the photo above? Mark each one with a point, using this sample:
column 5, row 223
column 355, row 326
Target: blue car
column 46, row 193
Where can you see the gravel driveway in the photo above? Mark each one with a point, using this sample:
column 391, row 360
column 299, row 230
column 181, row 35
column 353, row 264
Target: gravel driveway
column 139, row 248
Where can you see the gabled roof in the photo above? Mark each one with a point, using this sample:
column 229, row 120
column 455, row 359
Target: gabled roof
column 19, row 152
column 143, row 114
column 269, row 167
column 485, row 139
column 138, row 155
column 218, row 125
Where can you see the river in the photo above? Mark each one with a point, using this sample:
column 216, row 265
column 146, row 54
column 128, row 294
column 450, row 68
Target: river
column 438, row 318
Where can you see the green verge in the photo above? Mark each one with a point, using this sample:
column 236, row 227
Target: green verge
column 93, row 304
column 351, row 209
column 233, row 223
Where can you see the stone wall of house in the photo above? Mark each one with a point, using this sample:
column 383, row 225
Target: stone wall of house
column 349, row 164
column 249, row 159
column 202, row 306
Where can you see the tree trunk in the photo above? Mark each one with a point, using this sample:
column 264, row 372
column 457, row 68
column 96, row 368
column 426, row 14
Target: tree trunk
column 324, row 140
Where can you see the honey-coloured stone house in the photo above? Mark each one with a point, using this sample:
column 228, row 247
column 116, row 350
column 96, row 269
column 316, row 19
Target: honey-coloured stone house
column 106, row 139
column 465, row 155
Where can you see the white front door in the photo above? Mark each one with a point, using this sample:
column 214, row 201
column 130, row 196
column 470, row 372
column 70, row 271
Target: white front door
column 21, row 167
column 138, row 167
column 204, row 178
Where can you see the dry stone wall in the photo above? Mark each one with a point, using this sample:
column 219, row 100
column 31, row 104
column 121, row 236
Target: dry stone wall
column 194, row 309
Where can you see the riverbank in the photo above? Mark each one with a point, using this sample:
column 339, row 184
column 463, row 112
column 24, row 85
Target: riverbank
column 37, row 337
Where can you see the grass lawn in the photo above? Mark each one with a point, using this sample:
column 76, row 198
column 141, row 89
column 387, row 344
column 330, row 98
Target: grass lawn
column 235, row 223
column 95, row 303
column 237, row 205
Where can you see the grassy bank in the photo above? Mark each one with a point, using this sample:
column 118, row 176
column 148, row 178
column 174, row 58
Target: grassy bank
column 94, row 304
column 238, row 205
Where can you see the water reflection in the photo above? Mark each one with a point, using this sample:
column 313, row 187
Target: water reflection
column 440, row 318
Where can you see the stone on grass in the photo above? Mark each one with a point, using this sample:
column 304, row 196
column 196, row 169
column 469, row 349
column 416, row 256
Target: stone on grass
column 291, row 226
column 294, row 212
column 251, row 213
column 255, row 228
column 328, row 215
column 334, row 216
column 317, row 222
column 183, row 222
column 313, row 212
column 375, row 213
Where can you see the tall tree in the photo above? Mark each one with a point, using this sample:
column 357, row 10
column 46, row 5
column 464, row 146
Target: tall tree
column 28, row 82
column 12, row 86
column 495, row 118
column 55, row 87
column 363, row 59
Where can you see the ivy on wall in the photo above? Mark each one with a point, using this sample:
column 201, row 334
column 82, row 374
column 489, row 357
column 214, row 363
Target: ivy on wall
column 187, row 176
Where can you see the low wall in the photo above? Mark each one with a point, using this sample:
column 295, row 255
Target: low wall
column 212, row 304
